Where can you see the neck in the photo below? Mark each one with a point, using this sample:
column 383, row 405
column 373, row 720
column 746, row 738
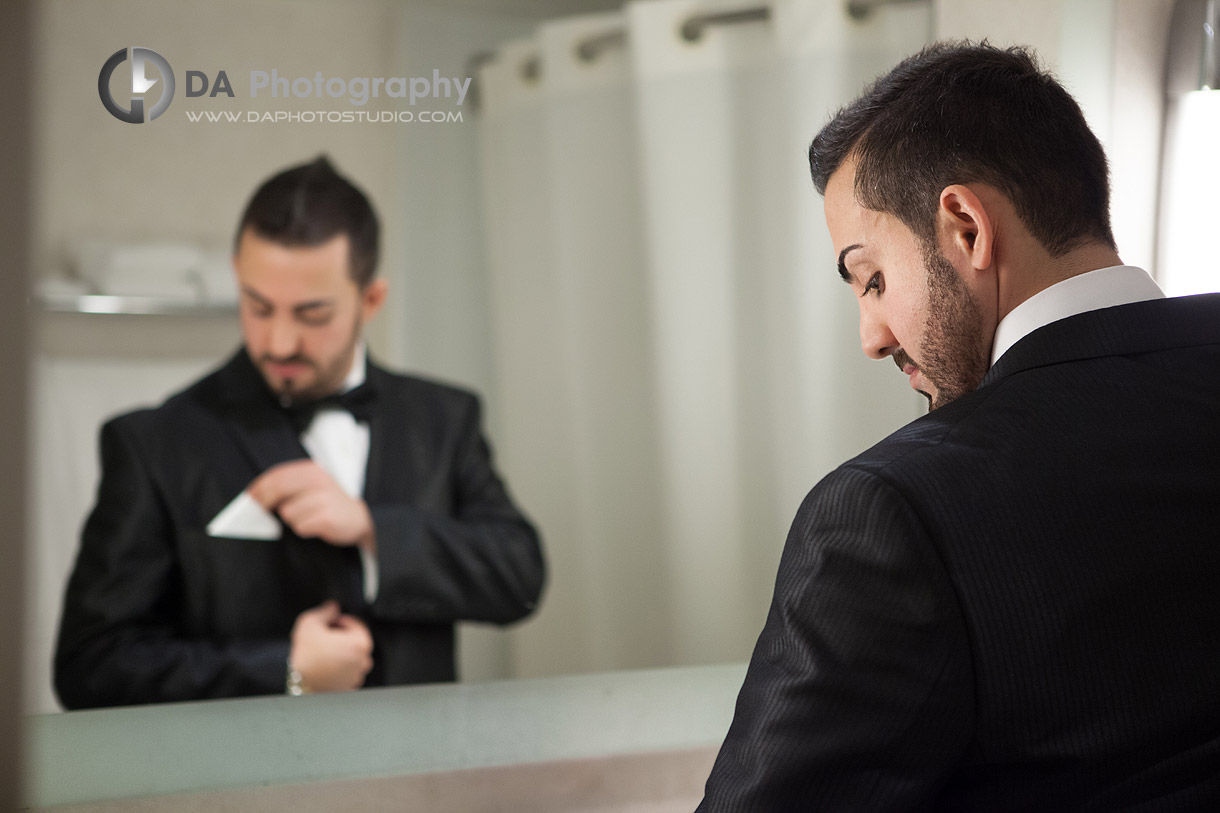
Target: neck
column 350, row 377
column 1039, row 271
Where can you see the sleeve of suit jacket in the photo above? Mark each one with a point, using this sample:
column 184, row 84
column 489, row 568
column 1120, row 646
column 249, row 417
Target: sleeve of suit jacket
column 859, row 693
column 119, row 640
column 480, row 561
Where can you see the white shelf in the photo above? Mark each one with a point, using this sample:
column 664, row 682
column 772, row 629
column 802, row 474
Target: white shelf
column 132, row 305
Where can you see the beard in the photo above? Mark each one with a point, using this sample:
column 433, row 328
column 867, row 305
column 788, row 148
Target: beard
column 328, row 374
column 954, row 353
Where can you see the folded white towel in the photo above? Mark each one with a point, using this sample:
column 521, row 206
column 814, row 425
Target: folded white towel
column 167, row 270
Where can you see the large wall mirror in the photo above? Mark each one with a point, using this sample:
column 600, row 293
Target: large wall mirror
column 609, row 233
column 612, row 237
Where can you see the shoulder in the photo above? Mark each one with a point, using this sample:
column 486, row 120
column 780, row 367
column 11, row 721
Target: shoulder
column 947, row 460
column 952, row 430
column 423, row 391
column 200, row 400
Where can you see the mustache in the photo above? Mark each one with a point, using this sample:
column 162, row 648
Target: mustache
column 267, row 358
column 902, row 359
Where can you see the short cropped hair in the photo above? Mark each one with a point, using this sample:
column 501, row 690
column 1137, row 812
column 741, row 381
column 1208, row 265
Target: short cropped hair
column 959, row 112
column 307, row 205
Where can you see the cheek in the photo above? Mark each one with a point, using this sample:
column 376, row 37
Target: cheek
column 324, row 342
column 254, row 332
column 908, row 329
column 912, row 314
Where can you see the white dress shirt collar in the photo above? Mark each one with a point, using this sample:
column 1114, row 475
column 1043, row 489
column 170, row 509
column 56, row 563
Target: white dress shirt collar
column 1094, row 290
column 356, row 375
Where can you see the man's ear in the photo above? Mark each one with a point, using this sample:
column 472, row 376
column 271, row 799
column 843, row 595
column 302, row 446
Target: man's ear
column 373, row 297
column 964, row 227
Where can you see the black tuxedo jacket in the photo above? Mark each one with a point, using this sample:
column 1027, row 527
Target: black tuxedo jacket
column 1012, row 603
column 156, row 610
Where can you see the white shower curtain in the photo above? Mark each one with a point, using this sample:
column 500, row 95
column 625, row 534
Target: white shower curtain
column 676, row 361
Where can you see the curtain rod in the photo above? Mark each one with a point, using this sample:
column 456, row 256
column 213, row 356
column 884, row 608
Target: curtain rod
column 861, row 9
column 591, row 48
column 692, row 30
column 474, row 63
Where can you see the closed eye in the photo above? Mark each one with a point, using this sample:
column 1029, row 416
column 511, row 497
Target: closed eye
column 258, row 310
column 315, row 316
column 874, row 284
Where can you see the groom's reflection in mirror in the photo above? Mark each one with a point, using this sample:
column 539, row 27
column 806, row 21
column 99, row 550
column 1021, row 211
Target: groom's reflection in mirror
column 301, row 519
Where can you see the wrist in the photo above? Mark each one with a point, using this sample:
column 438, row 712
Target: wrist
column 295, row 683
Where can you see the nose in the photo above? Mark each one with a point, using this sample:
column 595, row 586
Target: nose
column 875, row 337
column 285, row 339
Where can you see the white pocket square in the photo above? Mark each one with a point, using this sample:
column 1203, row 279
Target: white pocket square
column 244, row 518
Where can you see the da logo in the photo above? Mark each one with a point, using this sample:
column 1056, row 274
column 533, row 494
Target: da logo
column 141, row 84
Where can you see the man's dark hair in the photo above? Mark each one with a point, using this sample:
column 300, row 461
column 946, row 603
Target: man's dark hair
column 307, row 205
column 958, row 112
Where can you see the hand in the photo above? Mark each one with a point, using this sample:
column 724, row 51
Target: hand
column 313, row 505
column 332, row 652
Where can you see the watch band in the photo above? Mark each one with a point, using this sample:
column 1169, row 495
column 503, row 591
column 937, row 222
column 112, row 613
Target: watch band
column 295, row 684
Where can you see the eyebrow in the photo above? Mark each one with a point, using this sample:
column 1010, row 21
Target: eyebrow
column 313, row 304
column 843, row 265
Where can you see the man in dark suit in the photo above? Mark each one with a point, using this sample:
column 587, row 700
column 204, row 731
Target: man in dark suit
column 300, row 519
column 1010, row 603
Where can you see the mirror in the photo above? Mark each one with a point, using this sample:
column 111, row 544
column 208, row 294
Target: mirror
column 117, row 202
column 623, row 255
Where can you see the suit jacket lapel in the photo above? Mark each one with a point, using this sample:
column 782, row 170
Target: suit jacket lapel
column 1140, row 327
column 260, row 429
column 388, row 472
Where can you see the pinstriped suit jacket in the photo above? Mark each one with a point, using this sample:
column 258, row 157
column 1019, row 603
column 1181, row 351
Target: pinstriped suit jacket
column 1012, row 603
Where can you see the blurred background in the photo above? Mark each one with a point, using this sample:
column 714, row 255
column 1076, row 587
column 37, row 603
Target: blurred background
column 613, row 238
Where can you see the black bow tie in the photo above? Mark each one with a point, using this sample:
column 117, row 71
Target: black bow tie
column 358, row 401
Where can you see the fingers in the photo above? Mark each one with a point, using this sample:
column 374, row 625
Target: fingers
column 283, row 481
column 324, row 613
column 316, row 620
column 331, row 650
column 328, row 514
column 306, row 513
column 352, row 637
column 311, row 503
column 357, row 629
column 329, row 612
